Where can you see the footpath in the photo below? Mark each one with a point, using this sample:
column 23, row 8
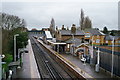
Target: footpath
column 29, row 69
column 86, row 67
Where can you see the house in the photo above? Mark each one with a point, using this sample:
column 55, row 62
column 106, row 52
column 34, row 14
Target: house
column 64, row 35
column 117, row 40
column 82, row 49
column 108, row 40
column 94, row 36
column 72, row 44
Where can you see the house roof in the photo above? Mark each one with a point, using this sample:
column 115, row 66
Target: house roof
column 94, row 32
column 108, row 37
column 68, row 32
column 48, row 34
column 116, row 37
column 75, row 41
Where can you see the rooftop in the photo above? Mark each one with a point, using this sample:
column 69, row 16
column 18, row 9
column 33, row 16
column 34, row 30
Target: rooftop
column 94, row 32
column 68, row 32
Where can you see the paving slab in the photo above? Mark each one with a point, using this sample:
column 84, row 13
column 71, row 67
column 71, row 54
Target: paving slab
column 29, row 68
column 86, row 67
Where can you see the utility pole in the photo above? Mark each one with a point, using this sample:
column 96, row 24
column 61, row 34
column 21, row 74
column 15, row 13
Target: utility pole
column 112, row 58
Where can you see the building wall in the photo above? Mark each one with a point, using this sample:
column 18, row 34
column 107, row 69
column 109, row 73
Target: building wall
column 117, row 42
column 66, row 37
column 98, row 40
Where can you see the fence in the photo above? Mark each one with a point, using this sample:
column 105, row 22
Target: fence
column 106, row 60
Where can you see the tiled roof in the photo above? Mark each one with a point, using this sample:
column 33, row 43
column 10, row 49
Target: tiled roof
column 108, row 37
column 94, row 32
column 75, row 40
column 81, row 32
column 116, row 37
column 68, row 32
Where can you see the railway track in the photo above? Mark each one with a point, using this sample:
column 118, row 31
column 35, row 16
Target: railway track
column 47, row 67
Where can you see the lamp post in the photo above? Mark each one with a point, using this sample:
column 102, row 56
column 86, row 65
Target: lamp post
column 15, row 46
column 112, row 57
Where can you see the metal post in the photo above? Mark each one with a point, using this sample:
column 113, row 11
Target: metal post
column 91, row 57
column 15, row 46
column 112, row 58
column 73, row 44
column 15, row 51
column 84, row 55
column 98, row 61
column 0, row 67
column 58, row 48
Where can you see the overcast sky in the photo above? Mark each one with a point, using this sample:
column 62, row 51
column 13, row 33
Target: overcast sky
column 38, row 14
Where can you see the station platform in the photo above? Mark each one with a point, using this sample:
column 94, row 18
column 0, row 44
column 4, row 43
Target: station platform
column 29, row 69
column 85, row 70
column 86, row 67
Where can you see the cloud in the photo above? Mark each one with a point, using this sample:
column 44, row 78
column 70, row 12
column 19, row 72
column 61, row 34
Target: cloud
column 39, row 14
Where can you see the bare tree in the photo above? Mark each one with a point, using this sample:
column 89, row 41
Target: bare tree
column 82, row 19
column 52, row 27
column 87, row 23
column 9, row 25
column 10, row 21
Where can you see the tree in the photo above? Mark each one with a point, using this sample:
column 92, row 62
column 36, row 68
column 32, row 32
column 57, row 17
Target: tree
column 52, row 27
column 105, row 30
column 87, row 23
column 73, row 29
column 82, row 19
column 10, row 26
column 112, row 33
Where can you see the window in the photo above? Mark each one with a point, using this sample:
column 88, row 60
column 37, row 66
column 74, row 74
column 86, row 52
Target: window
column 119, row 41
column 97, row 41
column 87, row 35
